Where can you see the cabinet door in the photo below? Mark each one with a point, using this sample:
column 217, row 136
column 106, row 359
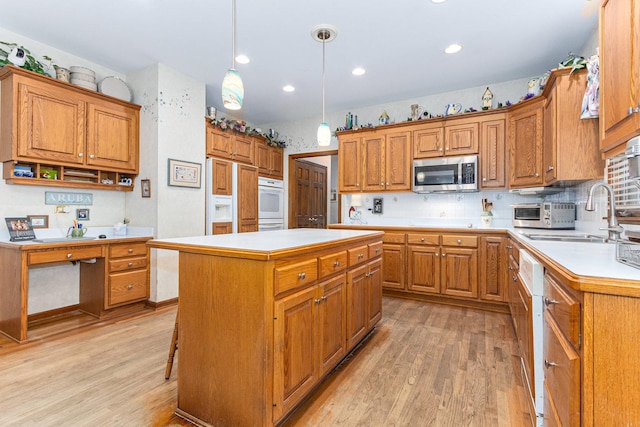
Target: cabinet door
column 461, row 138
column 619, row 72
column 221, row 228
column 493, row 154
column 349, row 163
column 393, row 271
column 525, row 140
column 397, row 164
column 295, row 351
column 374, row 293
column 243, row 149
column 262, row 158
column 219, row 143
column 221, row 178
column 459, row 272
column 428, row 141
column 51, row 124
column 493, row 268
column 424, row 269
column 356, row 303
column 373, row 164
column 247, row 198
column 113, row 137
column 550, row 147
column 332, row 322
column 276, row 157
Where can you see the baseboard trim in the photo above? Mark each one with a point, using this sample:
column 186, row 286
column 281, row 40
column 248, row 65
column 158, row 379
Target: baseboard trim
column 498, row 307
column 156, row 305
column 52, row 313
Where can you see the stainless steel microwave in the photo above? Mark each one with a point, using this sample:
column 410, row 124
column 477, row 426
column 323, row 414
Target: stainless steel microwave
column 554, row 215
column 445, row 174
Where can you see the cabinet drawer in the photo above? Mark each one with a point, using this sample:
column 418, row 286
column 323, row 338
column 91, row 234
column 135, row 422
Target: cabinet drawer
column 127, row 249
column 332, row 263
column 66, row 254
column 375, row 249
column 357, row 255
column 564, row 309
column 462, row 241
column 128, row 287
column 292, row 276
column 127, row 264
column 423, row 239
column 561, row 373
column 393, row 237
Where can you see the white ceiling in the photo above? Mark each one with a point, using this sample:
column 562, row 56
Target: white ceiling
column 399, row 42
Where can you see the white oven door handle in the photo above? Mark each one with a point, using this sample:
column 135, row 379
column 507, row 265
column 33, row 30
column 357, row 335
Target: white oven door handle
column 270, row 226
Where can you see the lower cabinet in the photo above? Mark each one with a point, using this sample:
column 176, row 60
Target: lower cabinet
column 128, row 274
column 493, row 268
column 364, row 296
column 394, row 259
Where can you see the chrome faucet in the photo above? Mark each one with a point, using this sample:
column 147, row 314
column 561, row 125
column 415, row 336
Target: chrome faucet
column 614, row 229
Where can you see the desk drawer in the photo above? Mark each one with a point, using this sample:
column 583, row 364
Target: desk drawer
column 127, row 264
column 294, row 275
column 332, row 263
column 121, row 250
column 127, row 287
column 66, row 254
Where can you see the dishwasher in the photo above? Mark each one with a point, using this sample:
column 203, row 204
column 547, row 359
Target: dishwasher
column 532, row 276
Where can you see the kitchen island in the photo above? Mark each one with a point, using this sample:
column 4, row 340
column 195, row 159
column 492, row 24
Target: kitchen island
column 264, row 317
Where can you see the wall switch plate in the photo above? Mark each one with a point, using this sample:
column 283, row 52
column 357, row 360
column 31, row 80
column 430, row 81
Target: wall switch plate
column 377, row 205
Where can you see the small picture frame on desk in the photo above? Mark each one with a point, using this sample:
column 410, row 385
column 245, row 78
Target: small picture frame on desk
column 39, row 221
column 82, row 214
column 145, row 187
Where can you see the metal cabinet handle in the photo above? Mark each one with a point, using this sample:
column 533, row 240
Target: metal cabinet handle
column 510, row 268
column 548, row 364
column 447, row 148
column 484, row 179
column 130, row 264
column 550, row 168
column 130, row 287
column 69, row 255
column 360, row 256
column 324, row 298
column 130, row 251
column 336, row 264
column 377, row 250
column 444, row 255
column 422, row 239
column 437, row 254
column 549, row 302
column 459, row 241
column 302, row 276
column 382, row 184
column 80, row 154
column 509, row 247
column 91, row 156
column 515, row 278
column 537, row 175
column 317, row 301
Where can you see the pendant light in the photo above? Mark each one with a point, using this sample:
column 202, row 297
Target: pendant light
column 232, row 87
column 324, row 33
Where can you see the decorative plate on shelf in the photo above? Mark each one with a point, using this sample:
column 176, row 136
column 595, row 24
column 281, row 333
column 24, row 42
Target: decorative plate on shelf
column 113, row 86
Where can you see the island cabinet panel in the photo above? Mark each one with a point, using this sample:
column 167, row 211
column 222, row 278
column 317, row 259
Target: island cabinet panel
column 259, row 329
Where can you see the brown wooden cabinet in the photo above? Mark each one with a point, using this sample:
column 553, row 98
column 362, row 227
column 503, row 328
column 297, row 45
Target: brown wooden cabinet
column 221, row 228
column 375, row 161
column 453, row 137
column 364, row 299
column 59, row 125
column 268, row 159
column 128, row 274
column 492, row 158
column 444, row 264
column 525, row 142
column 229, row 144
column 570, row 150
column 221, row 177
column 247, row 198
column 493, row 266
column 619, row 73
column 394, row 260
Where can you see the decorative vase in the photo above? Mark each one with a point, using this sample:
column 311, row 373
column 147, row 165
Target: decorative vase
column 487, row 219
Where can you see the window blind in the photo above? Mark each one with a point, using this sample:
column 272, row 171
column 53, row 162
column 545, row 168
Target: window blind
column 626, row 192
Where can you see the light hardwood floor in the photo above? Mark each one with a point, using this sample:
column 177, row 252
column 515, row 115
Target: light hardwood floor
column 425, row 365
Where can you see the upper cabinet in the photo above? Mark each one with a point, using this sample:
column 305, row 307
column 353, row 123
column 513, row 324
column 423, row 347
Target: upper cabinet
column 493, row 145
column 570, row 144
column 268, row 159
column 93, row 137
column 453, row 137
column 619, row 73
column 525, row 143
column 229, row 145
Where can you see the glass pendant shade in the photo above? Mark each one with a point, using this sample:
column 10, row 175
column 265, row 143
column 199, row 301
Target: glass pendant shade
column 232, row 90
column 324, row 135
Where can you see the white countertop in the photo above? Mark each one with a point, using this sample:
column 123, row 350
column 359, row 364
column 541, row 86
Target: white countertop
column 94, row 232
column 269, row 241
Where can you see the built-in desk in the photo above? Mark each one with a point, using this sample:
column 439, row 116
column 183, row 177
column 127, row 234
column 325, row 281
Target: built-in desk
column 114, row 278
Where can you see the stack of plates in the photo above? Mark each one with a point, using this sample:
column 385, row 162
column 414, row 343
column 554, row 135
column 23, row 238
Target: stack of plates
column 83, row 77
column 115, row 87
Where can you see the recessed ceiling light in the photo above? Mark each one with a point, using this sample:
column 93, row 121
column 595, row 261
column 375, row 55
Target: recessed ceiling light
column 358, row 71
column 438, row 1
column 453, row 48
column 242, row 59
column 288, row 88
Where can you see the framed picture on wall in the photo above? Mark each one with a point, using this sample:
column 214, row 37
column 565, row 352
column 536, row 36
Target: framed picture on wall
column 39, row 221
column 184, row 174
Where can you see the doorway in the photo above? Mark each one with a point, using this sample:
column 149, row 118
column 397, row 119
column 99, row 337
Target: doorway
column 313, row 201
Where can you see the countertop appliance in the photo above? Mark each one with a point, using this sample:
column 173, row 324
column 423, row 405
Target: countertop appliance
column 270, row 204
column 552, row 215
column 445, row 174
column 532, row 276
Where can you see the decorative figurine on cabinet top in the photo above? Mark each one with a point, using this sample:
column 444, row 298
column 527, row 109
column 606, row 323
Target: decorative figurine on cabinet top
column 384, row 118
column 487, row 99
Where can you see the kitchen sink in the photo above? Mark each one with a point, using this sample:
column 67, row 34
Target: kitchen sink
column 587, row 238
column 62, row 239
